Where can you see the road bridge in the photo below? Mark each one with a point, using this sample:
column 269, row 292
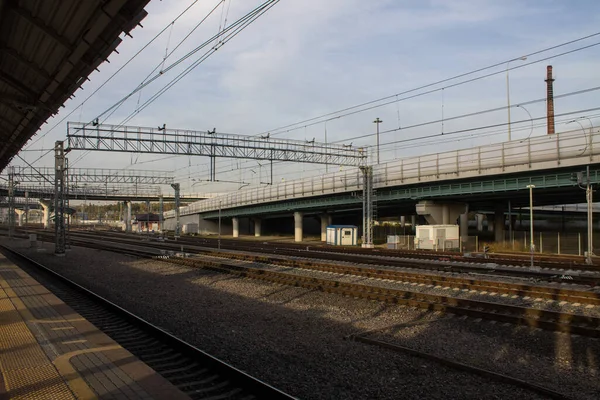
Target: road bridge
column 486, row 177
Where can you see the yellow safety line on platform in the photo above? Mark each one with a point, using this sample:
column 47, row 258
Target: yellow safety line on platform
column 75, row 381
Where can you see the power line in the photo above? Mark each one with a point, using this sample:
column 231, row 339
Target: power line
column 436, row 83
column 160, row 65
column 477, row 113
column 438, row 89
column 274, row 131
column 113, row 75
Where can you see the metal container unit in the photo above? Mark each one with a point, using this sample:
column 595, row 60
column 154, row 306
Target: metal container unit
column 190, row 228
column 437, row 237
column 342, row 235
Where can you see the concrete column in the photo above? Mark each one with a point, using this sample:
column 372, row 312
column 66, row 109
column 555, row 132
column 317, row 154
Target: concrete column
column 413, row 221
column 128, row 217
column 464, row 228
column 46, row 208
column 26, row 207
column 20, row 214
column 325, row 221
column 445, row 214
column 236, row 226
column 402, row 221
column 499, row 224
column 479, row 219
column 257, row 227
column 298, row 226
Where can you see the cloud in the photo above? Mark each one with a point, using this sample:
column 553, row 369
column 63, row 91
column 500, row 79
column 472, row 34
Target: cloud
column 311, row 57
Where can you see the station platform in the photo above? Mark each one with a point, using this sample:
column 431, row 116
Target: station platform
column 48, row 351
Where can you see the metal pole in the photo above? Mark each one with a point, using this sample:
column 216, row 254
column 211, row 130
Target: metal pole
column 510, row 238
column 531, row 245
column 377, row 121
column 508, row 100
column 590, row 226
column 160, row 213
column 219, row 240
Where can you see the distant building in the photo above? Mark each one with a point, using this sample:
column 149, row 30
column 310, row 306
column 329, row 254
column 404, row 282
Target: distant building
column 145, row 222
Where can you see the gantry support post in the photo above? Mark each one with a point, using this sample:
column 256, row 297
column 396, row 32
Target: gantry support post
column 59, row 198
column 177, row 225
column 26, row 207
column 11, row 202
column 161, row 207
column 367, row 173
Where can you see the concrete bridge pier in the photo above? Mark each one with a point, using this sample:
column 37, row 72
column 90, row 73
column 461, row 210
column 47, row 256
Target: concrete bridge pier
column 257, row 227
column 236, row 226
column 464, row 228
column 298, row 226
column 440, row 213
column 325, row 222
column 479, row 219
column 402, row 221
column 46, row 208
column 20, row 214
column 128, row 217
column 499, row 224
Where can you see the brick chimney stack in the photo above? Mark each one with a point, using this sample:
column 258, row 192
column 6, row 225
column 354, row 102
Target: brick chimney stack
column 550, row 99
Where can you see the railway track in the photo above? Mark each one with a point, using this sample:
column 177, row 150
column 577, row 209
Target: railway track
column 564, row 274
column 194, row 372
column 460, row 283
column 521, row 260
column 532, row 317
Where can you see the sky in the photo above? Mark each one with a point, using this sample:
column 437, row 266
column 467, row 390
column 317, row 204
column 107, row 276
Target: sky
column 307, row 58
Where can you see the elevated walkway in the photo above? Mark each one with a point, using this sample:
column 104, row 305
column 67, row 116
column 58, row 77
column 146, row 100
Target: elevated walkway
column 47, row 351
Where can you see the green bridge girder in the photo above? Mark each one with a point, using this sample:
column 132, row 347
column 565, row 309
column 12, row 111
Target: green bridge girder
column 454, row 191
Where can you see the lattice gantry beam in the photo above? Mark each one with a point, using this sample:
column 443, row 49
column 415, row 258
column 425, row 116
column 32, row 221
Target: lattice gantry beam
column 81, row 191
column 205, row 143
column 44, row 175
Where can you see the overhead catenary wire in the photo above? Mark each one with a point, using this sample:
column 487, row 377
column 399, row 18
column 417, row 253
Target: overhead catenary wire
column 114, row 74
column 440, row 89
column 372, row 104
column 447, row 135
column 232, row 31
column 260, row 9
column 457, row 117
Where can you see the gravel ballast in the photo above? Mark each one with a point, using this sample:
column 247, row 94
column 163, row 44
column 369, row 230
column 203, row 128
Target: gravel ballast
column 292, row 338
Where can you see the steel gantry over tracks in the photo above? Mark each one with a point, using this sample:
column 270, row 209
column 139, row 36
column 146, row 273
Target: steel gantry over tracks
column 134, row 139
column 94, row 176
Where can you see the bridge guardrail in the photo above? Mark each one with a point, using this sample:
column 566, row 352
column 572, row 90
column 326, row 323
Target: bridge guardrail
column 534, row 153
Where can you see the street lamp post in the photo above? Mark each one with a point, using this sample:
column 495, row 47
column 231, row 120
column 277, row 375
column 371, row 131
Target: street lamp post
column 588, row 198
column 377, row 121
column 531, row 244
column 508, row 92
column 590, row 226
column 530, row 119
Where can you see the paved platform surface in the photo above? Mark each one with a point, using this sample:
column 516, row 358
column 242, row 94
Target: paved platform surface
column 48, row 351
